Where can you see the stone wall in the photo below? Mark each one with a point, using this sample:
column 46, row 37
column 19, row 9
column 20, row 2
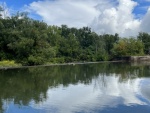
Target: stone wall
column 139, row 58
column 132, row 58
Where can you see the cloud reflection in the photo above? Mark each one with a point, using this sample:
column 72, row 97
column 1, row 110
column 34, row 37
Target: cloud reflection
column 104, row 92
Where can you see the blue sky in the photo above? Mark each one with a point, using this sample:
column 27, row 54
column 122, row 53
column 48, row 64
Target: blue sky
column 19, row 4
column 126, row 17
column 142, row 6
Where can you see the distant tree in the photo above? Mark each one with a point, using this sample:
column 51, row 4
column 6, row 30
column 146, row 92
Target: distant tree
column 109, row 41
column 145, row 38
column 126, row 47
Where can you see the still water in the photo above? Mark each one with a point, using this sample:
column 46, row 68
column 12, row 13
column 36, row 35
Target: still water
column 86, row 88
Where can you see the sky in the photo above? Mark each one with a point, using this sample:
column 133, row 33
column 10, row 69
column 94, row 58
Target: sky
column 125, row 17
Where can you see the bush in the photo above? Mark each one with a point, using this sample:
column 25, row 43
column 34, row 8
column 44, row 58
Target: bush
column 57, row 60
column 8, row 63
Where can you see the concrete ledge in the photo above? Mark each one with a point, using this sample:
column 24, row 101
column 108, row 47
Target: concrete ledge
column 132, row 58
column 139, row 58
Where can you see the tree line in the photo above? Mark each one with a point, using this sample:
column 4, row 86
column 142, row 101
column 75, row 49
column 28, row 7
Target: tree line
column 32, row 42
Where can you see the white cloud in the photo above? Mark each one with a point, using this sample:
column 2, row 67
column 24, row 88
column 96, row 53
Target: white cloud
column 74, row 13
column 145, row 24
column 103, row 16
column 118, row 19
column 6, row 11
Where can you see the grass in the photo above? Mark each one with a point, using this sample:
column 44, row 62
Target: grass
column 8, row 63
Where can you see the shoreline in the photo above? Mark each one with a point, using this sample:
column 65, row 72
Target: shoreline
column 59, row 64
column 82, row 63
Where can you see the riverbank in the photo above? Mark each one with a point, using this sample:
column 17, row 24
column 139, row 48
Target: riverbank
column 133, row 59
column 9, row 64
column 57, row 64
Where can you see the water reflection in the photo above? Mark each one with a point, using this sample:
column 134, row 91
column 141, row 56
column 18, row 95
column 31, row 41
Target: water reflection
column 86, row 99
column 106, row 88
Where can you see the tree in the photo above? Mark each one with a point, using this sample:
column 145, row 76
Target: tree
column 145, row 38
column 69, row 47
column 109, row 41
column 127, row 47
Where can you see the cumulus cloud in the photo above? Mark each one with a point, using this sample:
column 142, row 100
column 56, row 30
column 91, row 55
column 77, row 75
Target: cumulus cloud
column 103, row 16
column 145, row 23
column 118, row 19
column 74, row 13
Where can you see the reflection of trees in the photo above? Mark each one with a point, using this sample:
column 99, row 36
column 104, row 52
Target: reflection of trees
column 26, row 84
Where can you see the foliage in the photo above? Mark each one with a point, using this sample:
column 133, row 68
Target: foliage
column 145, row 38
column 7, row 63
column 128, row 47
column 31, row 42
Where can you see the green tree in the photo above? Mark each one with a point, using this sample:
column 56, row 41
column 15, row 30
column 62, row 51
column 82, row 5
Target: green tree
column 69, row 47
column 127, row 47
column 145, row 38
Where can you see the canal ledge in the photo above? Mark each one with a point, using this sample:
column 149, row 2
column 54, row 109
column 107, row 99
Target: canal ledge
column 117, row 59
column 133, row 58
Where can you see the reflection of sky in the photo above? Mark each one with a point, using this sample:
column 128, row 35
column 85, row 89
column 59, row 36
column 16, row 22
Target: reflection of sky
column 104, row 93
column 145, row 89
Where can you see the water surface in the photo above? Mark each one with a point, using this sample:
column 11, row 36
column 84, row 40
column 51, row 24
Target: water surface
column 86, row 88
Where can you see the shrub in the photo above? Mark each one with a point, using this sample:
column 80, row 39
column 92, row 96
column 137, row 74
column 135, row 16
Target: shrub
column 9, row 63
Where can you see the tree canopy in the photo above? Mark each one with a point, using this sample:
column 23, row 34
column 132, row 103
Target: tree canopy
column 127, row 47
column 32, row 42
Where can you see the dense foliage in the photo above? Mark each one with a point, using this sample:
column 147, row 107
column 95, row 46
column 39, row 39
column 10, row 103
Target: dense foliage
column 31, row 42
column 126, row 47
